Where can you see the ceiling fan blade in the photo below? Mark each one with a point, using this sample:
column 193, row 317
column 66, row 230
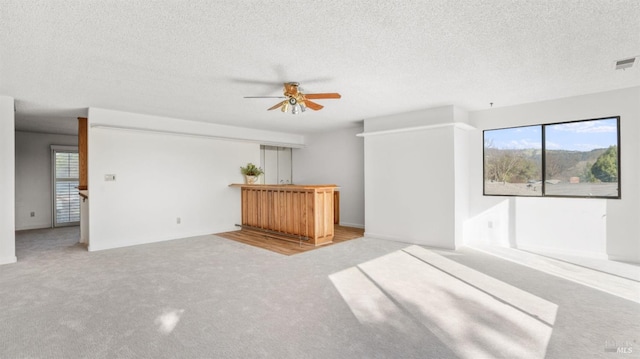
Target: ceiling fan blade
column 276, row 106
column 322, row 95
column 313, row 105
column 254, row 82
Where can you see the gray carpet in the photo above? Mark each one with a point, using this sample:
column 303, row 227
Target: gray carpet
column 208, row 297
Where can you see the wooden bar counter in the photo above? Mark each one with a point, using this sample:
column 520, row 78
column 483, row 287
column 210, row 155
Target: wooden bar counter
column 302, row 211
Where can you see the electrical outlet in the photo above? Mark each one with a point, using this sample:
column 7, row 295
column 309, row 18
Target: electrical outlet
column 178, row 220
column 33, row 214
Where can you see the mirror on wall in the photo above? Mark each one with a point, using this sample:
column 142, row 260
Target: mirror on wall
column 276, row 163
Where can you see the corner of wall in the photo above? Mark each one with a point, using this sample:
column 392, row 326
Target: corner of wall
column 7, row 181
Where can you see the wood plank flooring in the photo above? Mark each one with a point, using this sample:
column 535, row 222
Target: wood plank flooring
column 288, row 246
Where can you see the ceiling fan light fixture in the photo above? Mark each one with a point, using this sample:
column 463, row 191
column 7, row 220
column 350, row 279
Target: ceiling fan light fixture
column 298, row 101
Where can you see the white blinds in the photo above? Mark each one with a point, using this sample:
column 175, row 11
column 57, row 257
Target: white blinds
column 67, row 200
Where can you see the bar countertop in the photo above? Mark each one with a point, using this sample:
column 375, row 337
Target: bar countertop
column 283, row 186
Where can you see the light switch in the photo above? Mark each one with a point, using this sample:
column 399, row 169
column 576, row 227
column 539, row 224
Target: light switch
column 109, row 177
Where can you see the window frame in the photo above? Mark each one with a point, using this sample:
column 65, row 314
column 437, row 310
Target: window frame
column 543, row 159
column 55, row 179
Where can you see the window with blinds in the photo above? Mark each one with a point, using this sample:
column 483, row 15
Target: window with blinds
column 66, row 198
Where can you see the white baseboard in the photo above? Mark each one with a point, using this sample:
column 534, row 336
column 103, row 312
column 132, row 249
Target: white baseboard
column 567, row 252
column 33, row 226
column 382, row 236
column 354, row 225
column 613, row 257
column 142, row 241
column 8, row 260
column 387, row 237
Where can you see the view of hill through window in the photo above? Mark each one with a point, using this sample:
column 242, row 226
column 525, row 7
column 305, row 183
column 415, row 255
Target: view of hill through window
column 576, row 159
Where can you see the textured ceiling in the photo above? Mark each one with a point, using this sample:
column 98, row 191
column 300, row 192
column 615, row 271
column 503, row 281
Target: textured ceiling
column 196, row 60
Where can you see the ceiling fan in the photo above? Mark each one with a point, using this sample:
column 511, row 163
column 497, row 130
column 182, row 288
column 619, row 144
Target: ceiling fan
column 298, row 101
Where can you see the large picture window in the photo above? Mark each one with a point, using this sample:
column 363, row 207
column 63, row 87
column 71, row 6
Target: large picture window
column 569, row 159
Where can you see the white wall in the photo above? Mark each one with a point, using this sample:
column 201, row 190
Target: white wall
column 7, row 181
column 461, row 178
column 335, row 158
column 162, row 176
column 412, row 193
column 33, row 177
column 588, row 227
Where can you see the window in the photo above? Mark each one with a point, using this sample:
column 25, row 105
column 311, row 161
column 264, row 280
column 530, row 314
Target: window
column 66, row 201
column 575, row 159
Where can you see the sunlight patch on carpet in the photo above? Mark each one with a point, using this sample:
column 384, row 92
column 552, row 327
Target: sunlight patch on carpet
column 168, row 320
column 475, row 315
column 367, row 302
column 595, row 278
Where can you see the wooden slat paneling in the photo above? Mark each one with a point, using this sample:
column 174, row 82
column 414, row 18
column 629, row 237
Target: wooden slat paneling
column 306, row 211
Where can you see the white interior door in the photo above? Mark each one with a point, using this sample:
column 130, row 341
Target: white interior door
column 284, row 165
column 276, row 163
